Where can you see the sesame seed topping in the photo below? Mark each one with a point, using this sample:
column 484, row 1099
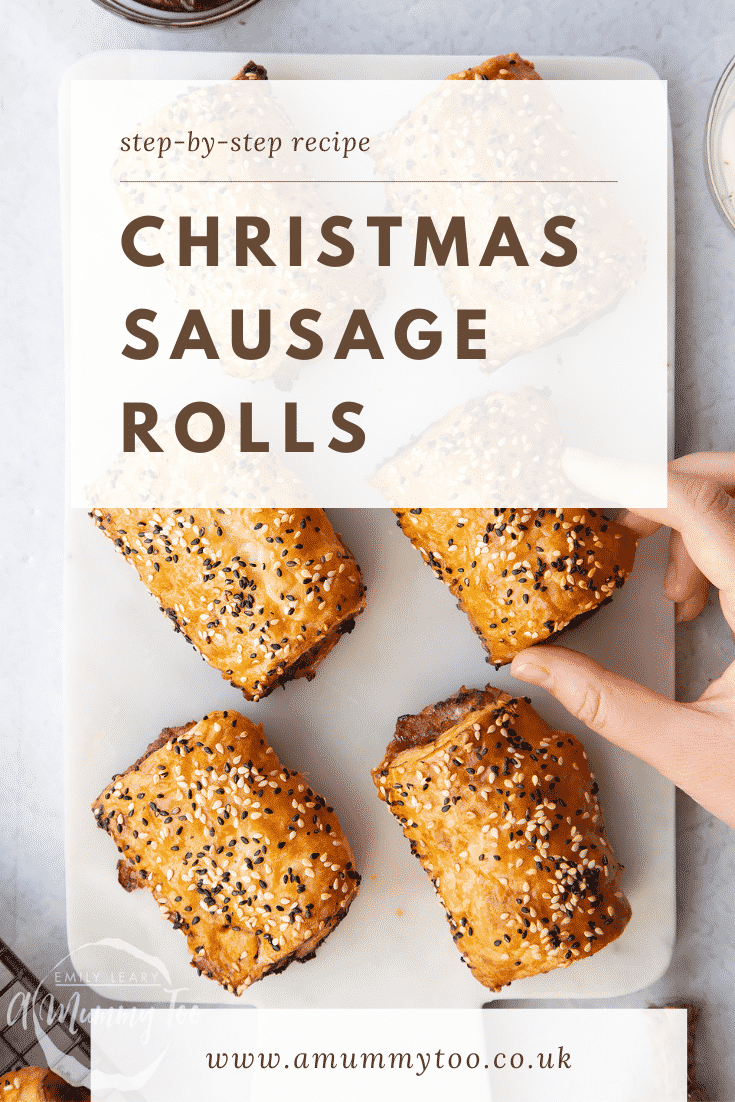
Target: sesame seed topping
column 255, row 886
column 479, row 791
column 217, row 594
column 553, row 572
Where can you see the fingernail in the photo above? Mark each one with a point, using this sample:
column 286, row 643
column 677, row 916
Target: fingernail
column 534, row 673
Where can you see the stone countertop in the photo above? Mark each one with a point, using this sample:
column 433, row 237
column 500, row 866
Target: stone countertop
column 688, row 43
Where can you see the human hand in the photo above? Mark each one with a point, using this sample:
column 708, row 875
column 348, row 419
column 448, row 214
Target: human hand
column 692, row 744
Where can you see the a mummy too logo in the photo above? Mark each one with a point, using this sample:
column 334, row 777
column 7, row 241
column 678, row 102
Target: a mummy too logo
column 58, row 1012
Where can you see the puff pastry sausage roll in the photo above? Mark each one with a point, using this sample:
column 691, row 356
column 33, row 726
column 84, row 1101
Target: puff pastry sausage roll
column 263, row 594
column 503, row 67
column 252, row 71
column 522, row 575
column 503, row 814
column 38, row 1085
column 497, row 447
column 237, row 850
column 471, row 132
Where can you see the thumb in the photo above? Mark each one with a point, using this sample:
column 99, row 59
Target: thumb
column 637, row 719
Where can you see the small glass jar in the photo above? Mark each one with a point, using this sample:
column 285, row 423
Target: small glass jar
column 719, row 139
column 155, row 16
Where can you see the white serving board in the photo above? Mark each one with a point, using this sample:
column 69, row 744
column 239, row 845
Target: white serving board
column 127, row 675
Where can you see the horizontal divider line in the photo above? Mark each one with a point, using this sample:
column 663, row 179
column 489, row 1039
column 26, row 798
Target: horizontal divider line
column 126, row 181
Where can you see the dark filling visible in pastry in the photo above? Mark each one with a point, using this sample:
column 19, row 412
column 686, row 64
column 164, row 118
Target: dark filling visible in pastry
column 553, row 638
column 251, row 71
column 302, row 954
column 577, row 620
column 56, row 1090
column 418, row 730
column 301, row 667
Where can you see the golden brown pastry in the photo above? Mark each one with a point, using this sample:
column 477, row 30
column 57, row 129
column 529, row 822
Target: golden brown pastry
column 497, row 447
column 38, row 1085
column 251, row 71
column 469, row 132
column 503, row 814
column 263, row 594
column 504, row 67
column 522, row 575
column 237, row 850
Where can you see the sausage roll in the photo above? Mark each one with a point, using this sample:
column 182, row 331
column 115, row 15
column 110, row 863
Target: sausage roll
column 504, row 67
column 38, row 1085
column 498, row 447
column 263, row 594
column 466, row 132
column 252, row 71
column 237, row 850
column 522, row 575
column 503, row 814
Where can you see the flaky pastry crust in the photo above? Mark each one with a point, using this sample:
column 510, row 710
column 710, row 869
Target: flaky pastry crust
column 237, row 850
column 252, row 71
column 503, row 67
column 503, row 814
column 262, row 594
column 38, row 1085
column 522, row 575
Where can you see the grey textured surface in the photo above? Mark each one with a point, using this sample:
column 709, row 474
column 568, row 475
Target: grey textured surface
column 688, row 43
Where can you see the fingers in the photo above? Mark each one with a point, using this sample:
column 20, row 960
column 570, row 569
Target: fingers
column 627, row 482
column 698, row 485
column 717, row 466
column 638, row 523
column 691, row 744
column 688, row 610
column 700, row 508
column 612, row 479
column 714, row 466
column 629, row 715
column 703, row 512
column 684, row 582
